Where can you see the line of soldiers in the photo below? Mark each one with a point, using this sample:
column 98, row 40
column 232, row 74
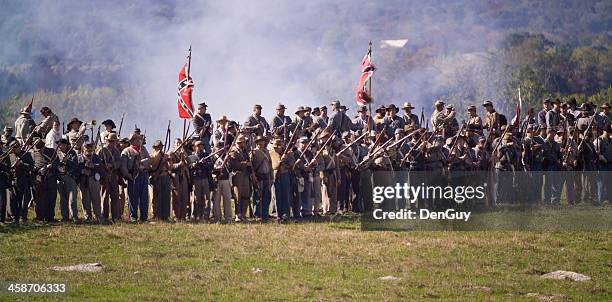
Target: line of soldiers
column 307, row 165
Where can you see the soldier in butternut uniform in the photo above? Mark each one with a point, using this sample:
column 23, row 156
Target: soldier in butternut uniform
column 239, row 165
column 179, row 169
column 282, row 165
column 111, row 162
column 329, row 176
column 262, row 167
column 474, row 120
column 75, row 134
column 440, row 119
column 159, row 167
column 491, row 119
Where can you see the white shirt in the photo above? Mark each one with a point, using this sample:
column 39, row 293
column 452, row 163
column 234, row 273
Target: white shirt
column 52, row 139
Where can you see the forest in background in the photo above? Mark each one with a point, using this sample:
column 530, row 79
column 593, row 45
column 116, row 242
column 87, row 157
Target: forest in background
column 81, row 62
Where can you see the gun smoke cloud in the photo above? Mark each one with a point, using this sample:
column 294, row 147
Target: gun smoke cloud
column 247, row 52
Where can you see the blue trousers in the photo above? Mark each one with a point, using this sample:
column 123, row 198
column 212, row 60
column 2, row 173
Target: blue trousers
column 262, row 204
column 305, row 198
column 138, row 192
column 282, row 189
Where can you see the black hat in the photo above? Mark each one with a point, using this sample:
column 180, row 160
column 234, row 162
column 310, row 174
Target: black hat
column 202, row 105
column 257, row 106
column 74, row 120
column 44, row 109
column 392, row 106
column 109, row 122
column 362, row 109
column 64, row 141
column 546, row 101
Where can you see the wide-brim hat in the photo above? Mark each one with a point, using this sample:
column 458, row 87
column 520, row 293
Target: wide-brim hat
column 241, row 139
column 392, row 107
column 278, row 144
column 260, row 138
column 202, row 105
column 112, row 137
column 300, row 109
column 604, row 106
column 280, row 106
column 362, row 109
column 157, row 144
column 26, row 110
column 222, row 118
column 109, row 122
column 487, row 103
column 74, row 120
column 382, row 108
column 407, row 105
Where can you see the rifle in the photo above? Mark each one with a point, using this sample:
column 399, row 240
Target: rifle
column 422, row 117
column 585, row 132
column 384, row 130
column 121, row 125
column 322, row 148
column 384, row 146
column 352, row 143
column 95, row 144
column 454, row 145
column 308, row 146
column 498, row 144
column 416, row 144
column 38, row 190
column 293, row 136
column 167, row 139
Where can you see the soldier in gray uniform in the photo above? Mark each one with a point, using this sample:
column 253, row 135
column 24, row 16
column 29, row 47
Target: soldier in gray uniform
column 75, row 134
column 409, row 117
column 546, row 106
column 68, row 180
column 552, row 116
column 92, row 172
column 256, row 123
column 24, row 125
column 202, row 124
column 281, row 124
column 338, row 120
column 22, row 165
column 393, row 121
column 552, row 154
column 47, row 123
column 111, row 162
column 46, row 169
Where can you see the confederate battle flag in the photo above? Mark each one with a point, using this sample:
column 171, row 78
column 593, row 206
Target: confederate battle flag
column 363, row 96
column 185, row 88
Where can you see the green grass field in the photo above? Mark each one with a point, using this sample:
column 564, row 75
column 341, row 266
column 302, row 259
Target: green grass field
column 323, row 261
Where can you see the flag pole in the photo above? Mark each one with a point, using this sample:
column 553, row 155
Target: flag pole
column 188, row 76
column 370, row 90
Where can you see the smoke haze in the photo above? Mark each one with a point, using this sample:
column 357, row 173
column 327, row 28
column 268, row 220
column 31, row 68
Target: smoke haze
column 264, row 52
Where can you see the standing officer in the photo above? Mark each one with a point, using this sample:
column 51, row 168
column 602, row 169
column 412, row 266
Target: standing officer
column 202, row 124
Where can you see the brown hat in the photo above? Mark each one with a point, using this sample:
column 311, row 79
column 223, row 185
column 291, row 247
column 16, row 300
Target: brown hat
column 197, row 143
column 439, row 103
column 157, row 144
column 241, row 139
column 278, row 144
column 222, row 118
column 74, row 120
column 300, row 109
column 407, row 105
column 604, row 106
column 260, row 138
column 112, row 137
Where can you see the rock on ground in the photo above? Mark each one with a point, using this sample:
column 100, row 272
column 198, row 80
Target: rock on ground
column 561, row 275
column 387, row 278
column 84, row 267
